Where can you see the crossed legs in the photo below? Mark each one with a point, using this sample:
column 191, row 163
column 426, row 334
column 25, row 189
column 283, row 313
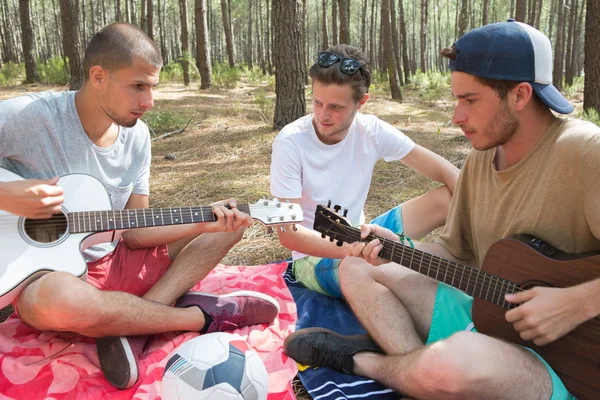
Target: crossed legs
column 397, row 313
column 61, row 302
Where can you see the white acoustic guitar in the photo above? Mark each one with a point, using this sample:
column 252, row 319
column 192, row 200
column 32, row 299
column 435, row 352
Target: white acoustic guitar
column 33, row 247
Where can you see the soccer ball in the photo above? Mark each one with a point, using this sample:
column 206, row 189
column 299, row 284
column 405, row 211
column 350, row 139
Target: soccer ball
column 214, row 366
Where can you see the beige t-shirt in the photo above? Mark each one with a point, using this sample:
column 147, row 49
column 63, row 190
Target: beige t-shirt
column 553, row 193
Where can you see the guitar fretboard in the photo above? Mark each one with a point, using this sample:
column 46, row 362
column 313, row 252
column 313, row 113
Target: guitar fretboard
column 99, row 221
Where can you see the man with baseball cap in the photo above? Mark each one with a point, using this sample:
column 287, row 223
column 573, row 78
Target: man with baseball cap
column 530, row 172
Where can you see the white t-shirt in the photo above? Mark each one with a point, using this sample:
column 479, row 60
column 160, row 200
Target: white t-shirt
column 304, row 167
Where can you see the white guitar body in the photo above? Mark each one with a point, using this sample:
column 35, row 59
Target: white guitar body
column 24, row 259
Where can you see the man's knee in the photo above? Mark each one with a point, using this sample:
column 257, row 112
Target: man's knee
column 352, row 270
column 57, row 302
column 453, row 361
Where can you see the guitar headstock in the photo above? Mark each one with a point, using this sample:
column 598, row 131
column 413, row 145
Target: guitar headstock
column 275, row 212
column 331, row 224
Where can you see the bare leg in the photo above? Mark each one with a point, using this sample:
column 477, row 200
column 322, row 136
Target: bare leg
column 193, row 260
column 425, row 213
column 46, row 305
column 398, row 319
column 467, row 365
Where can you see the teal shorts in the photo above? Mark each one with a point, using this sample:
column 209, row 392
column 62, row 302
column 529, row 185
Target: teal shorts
column 452, row 313
column 321, row 274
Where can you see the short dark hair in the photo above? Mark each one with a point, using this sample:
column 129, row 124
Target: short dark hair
column 360, row 80
column 114, row 47
column 501, row 87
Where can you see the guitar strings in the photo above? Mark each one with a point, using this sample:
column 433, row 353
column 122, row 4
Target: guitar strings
column 590, row 325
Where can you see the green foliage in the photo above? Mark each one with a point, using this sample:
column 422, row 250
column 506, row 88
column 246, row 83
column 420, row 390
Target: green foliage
column 224, row 76
column 380, row 81
column 577, row 86
column 173, row 72
column 54, row 71
column 265, row 104
column 164, row 121
column 12, row 74
column 592, row 115
column 255, row 76
column 431, row 85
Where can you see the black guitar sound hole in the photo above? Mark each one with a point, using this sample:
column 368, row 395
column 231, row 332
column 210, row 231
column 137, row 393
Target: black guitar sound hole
column 46, row 230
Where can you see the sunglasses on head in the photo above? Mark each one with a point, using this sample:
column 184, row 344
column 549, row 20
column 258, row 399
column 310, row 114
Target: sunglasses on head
column 347, row 65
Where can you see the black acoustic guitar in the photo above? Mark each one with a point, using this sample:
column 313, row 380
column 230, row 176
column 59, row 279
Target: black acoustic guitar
column 511, row 265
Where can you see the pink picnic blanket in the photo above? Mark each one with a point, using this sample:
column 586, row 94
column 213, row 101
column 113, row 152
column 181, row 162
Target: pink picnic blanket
column 37, row 365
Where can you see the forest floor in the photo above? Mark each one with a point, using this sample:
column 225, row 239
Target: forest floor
column 225, row 152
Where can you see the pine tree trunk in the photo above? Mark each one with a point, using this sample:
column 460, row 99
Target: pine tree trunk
column 388, row 50
column 144, row 20
column 334, row 22
column 185, row 42
column 570, row 40
column 557, row 71
column 363, row 26
column 463, row 18
column 484, row 12
column 27, row 39
column 424, row 30
column 591, row 91
column 150, row 18
column 343, row 22
column 68, row 16
column 325, row 41
column 289, row 66
column 228, row 33
column 202, row 46
column 249, row 48
column 405, row 60
column 396, row 42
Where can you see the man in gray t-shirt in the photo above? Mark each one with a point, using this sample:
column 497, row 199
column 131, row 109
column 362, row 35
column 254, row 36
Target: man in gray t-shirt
column 96, row 131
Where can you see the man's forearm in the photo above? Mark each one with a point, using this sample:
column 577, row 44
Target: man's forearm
column 160, row 235
column 310, row 242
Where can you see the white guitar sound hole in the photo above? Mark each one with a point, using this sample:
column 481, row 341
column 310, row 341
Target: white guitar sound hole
column 46, row 231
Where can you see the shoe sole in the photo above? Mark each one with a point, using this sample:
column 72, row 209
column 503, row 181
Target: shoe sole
column 111, row 353
column 248, row 293
column 369, row 344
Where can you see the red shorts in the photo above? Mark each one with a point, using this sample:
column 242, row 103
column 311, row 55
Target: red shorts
column 125, row 270
column 131, row 271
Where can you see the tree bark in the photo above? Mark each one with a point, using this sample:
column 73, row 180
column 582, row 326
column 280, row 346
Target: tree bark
column 424, row 29
column 334, row 22
column 396, row 42
column 202, row 46
column 521, row 10
column 185, row 42
column 68, row 17
column 591, row 91
column 388, row 50
column 27, row 39
column 343, row 22
column 484, row 12
column 228, row 33
column 289, row 68
column 463, row 18
column 325, row 40
column 150, row 18
column 249, row 48
column 404, row 38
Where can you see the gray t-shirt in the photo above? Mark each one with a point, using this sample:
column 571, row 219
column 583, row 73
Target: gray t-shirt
column 41, row 136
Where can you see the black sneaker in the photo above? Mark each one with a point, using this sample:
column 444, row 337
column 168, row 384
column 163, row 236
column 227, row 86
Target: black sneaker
column 118, row 357
column 322, row 347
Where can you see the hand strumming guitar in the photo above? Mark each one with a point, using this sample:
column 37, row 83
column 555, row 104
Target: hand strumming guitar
column 31, row 198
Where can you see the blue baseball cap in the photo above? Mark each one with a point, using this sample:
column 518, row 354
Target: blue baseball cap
column 511, row 51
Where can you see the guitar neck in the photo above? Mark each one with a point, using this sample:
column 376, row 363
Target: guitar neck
column 109, row 220
column 470, row 280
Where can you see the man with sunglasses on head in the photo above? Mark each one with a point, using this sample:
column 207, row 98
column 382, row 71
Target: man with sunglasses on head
column 530, row 173
column 330, row 154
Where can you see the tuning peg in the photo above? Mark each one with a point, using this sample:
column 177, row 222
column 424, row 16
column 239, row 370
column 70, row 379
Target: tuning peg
column 278, row 204
column 323, row 235
column 337, row 208
column 339, row 243
column 270, row 230
column 345, row 212
column 331, row 239
column 293, row 216
column 294, row 228
column 282, row 228
column 329, row 204
column 281, row 218
column 269, row 218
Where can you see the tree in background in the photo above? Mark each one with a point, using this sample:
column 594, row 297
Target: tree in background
column 72, row 49
column 288, row 59
column 27, row 39
column 202, row 46
column 591, row 98
column 185, row 42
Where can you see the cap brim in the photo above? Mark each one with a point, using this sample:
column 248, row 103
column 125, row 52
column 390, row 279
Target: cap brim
column 553, row 98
